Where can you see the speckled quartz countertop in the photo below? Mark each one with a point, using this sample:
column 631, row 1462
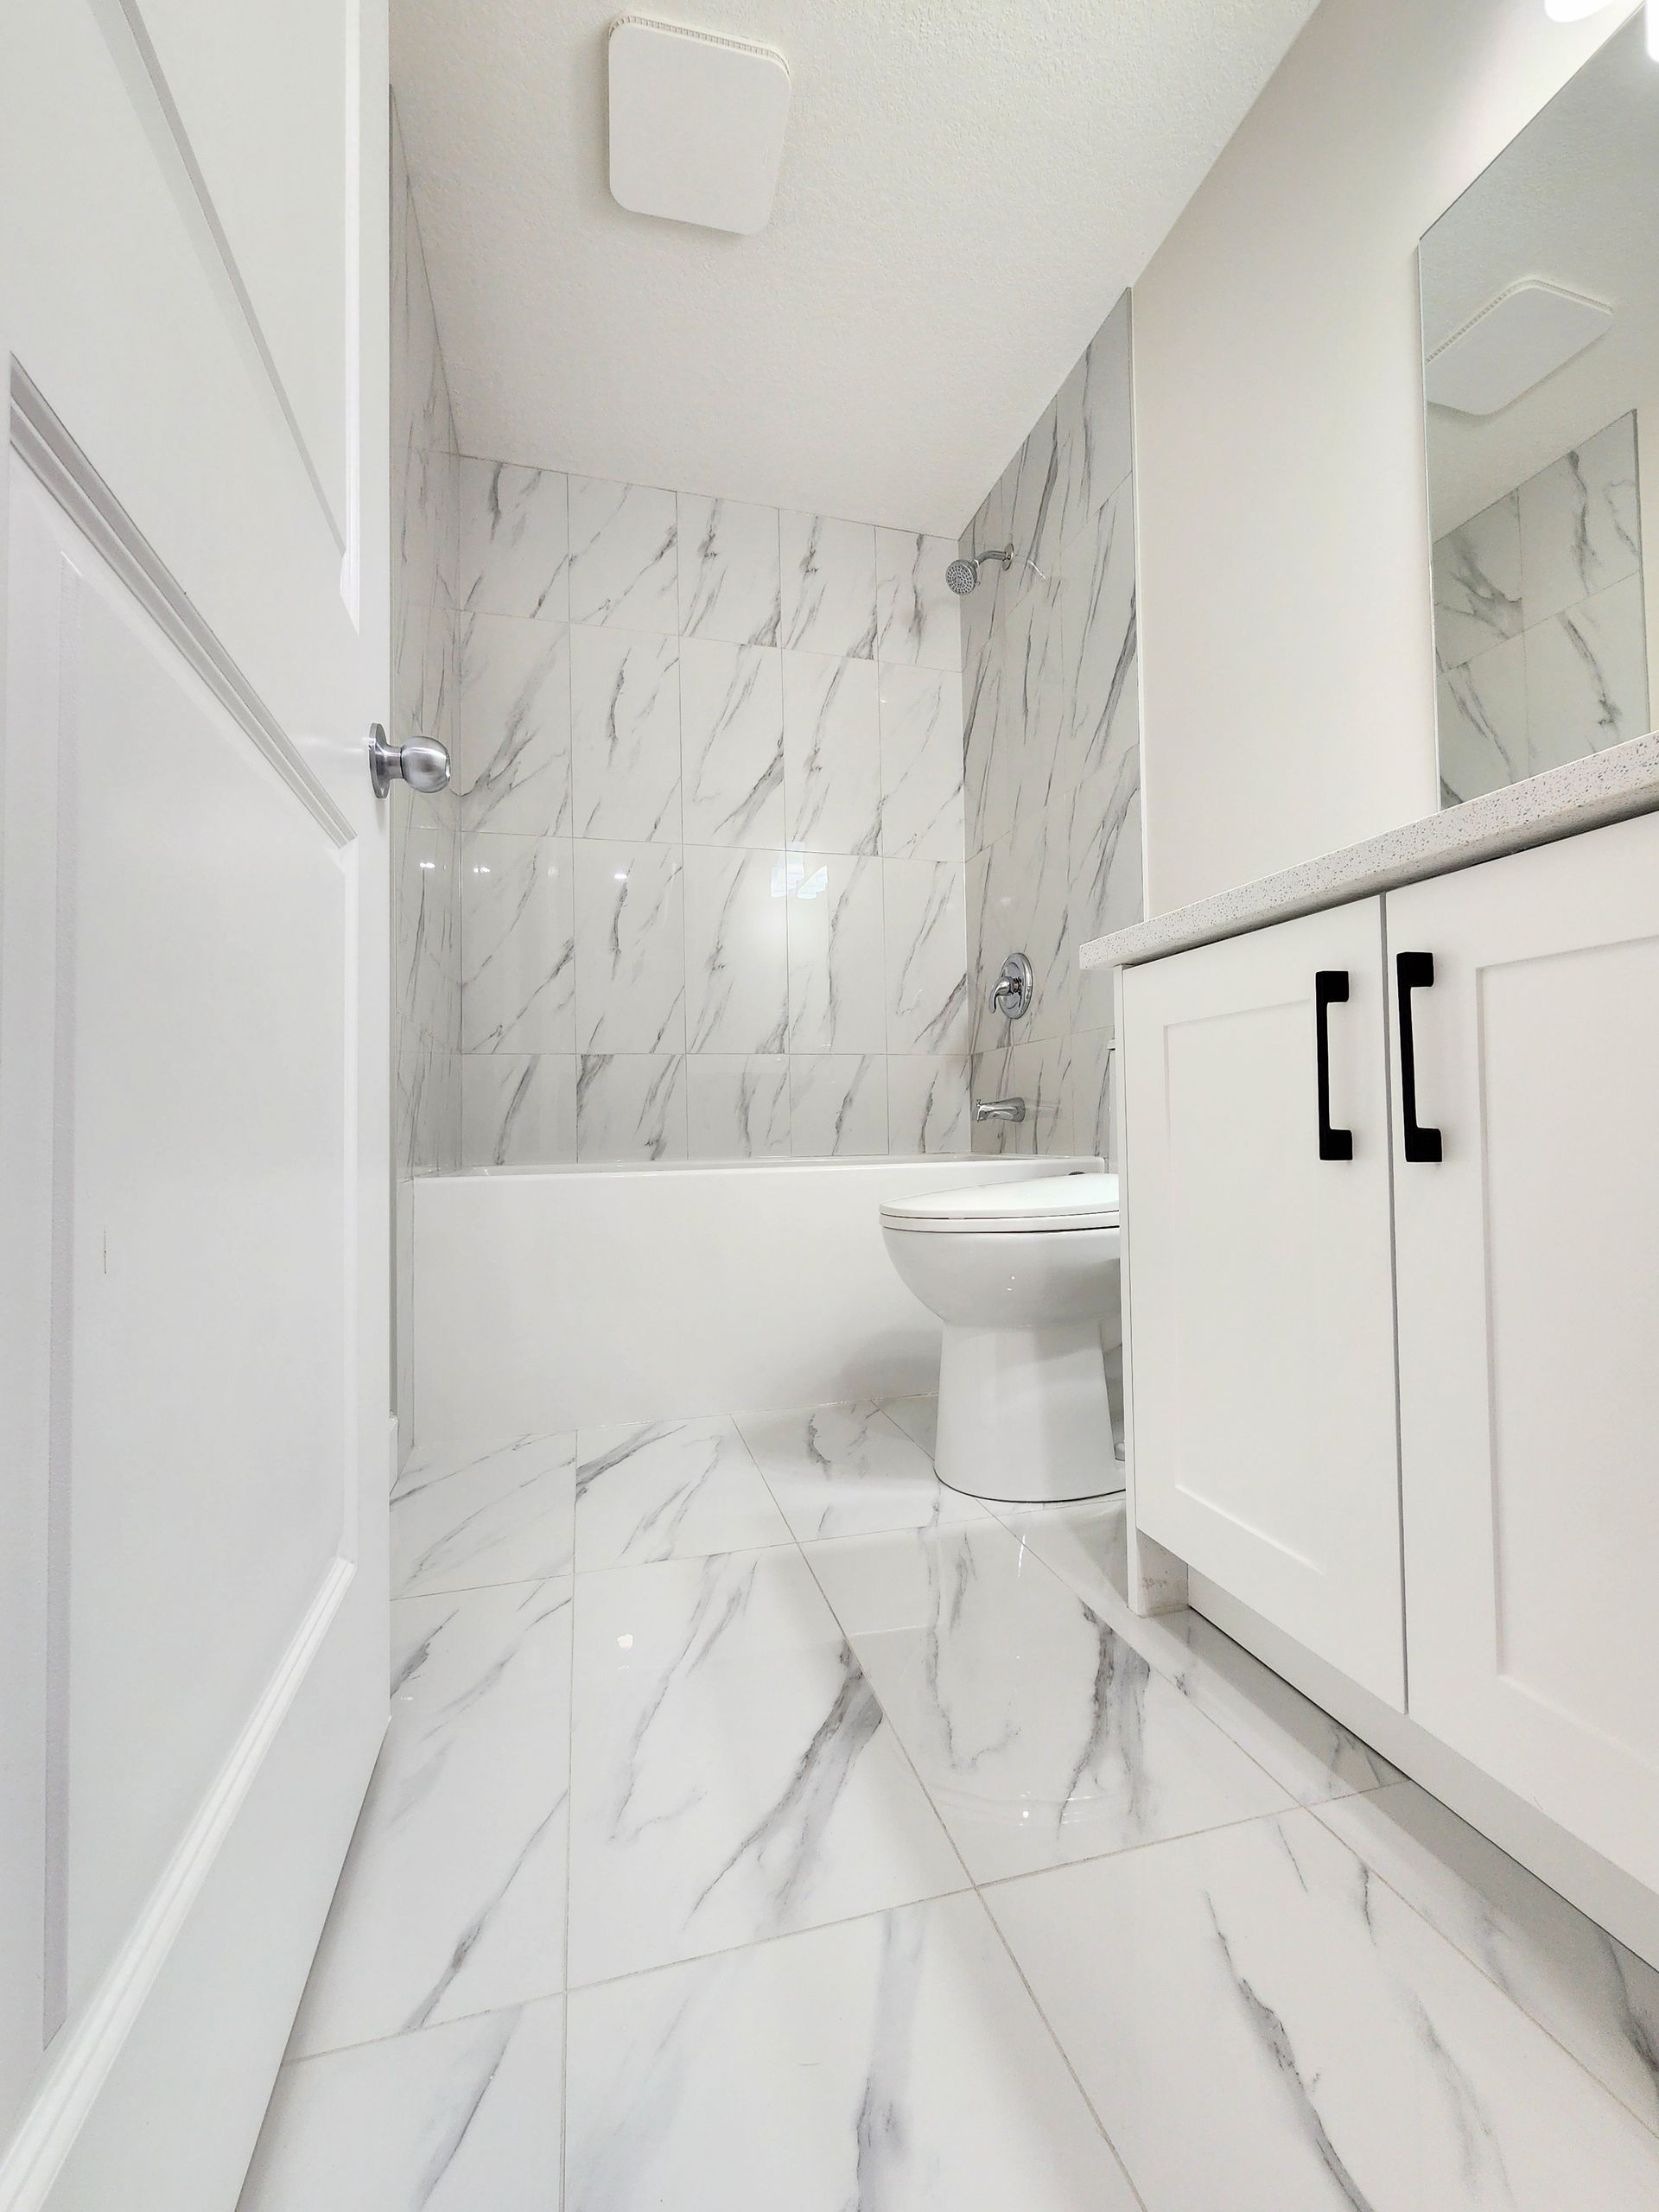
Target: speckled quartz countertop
column 1604, row 788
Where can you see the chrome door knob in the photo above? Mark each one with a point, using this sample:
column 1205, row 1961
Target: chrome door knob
column 423, row 763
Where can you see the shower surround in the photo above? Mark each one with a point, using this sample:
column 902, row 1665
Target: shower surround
column 1053, row 753
column 711, row 859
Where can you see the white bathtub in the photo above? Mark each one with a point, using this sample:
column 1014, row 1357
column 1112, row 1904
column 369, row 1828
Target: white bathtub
column 549, row 1297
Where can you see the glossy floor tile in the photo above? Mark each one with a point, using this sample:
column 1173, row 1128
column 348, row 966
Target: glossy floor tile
column 1041, row 1736
column 1310, row 1755
column 849, row 1471
column 462, row 1518
column 891, row 1862
column 733, row 1776
column 451, row 1900
column 669, row 1490
column 1263, row 2025
column 451, row 2120
column 894, row 2062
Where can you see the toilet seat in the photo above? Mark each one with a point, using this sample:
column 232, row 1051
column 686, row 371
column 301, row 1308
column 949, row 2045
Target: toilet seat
column 1044, row 1203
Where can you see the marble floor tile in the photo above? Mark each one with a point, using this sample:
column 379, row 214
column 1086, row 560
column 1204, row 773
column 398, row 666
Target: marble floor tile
column 1310, row 1755
column 733, row 1775
column 1041, row 1736
column 847, row 1471
column 452, row 2120
column 668, row 1489
column 464, row 1517
column 1594, row 1997
column 1261, row 2024
column 918, row 1417
column 452, row 1899
column 892, row 2065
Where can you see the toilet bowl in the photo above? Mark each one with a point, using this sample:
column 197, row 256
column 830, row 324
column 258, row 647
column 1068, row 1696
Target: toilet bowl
column 1025, row 1278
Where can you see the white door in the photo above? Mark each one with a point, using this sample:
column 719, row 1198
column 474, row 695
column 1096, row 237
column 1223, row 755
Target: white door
column 1260, row 1287
column 194, row 1432
column 1529, row 1268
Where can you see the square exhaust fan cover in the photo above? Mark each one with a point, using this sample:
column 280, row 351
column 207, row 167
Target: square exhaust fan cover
column 696, row 124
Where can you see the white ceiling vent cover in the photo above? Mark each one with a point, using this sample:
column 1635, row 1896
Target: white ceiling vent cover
column 1516, row 341
column 696, row 124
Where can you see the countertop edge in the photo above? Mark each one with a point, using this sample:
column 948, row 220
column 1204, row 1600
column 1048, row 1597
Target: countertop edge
column 1584, row 794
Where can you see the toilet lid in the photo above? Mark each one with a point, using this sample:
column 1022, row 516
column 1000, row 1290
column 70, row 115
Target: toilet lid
column 1042, row 1202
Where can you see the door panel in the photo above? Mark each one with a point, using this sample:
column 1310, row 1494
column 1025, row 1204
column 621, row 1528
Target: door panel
column 1264, row 1415
column 1529, row 1264
column 194, row 1153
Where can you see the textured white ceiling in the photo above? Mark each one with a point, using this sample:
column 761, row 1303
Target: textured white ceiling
column 966, row 189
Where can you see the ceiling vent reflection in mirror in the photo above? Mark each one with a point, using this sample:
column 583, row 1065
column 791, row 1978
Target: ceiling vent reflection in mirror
column 1514, row 342
column 696, row 124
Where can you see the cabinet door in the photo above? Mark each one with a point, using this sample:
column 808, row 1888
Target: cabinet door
column 1260, row 1282
column 1528, row 1291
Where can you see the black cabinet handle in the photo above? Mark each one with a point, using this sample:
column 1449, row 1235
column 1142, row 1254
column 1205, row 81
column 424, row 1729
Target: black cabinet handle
column 1330, row 989
column 1415, row 972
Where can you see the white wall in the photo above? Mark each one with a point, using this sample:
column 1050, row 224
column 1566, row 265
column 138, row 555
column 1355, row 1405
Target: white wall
column 1287, row 651
column 544, row 1301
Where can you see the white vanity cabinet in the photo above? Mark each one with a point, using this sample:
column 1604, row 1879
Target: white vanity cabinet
column 1497, row 1062
column 1261, row 1291
column 1528, row 1270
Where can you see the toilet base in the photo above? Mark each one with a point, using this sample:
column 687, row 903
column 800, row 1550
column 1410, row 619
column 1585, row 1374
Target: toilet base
column 1024, row 1417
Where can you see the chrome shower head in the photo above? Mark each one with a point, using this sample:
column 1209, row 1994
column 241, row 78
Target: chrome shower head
column 962, row 575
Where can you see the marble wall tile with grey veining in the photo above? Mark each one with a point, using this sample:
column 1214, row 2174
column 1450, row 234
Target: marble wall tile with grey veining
column 625, row 718
column 1036, row 487
column 994, row 1075
column 926, row 935
column 733, row 1777
column 631, row 1106
column 1034, row 708
column 624, row 556
column 984, row 793
column 731, row 743
column 894, row 2064
column 1091, row 1103
column 921, row 764
column 736, row 951
column 650, row 1491
column 1094, row 433
column 918, row 620
column 1041, row 1736
column 1594, row 1996
column 518, row 1110
column 464, row 1517
column 1100, row 644
column 828, row 585
column 927, row 1102
column 1587, row 677
column 984, row 958
column 837, row 1000
column 1251, row 2013
column 512, row 767
column 444, row 2120
column 1481, row 720
column 737, row 1108
column 1580, row 527
column 729, row 582
column 515, row 541
column 847, row 1471
column 1040, row 1073
column 990, row 531
column 518, row 945
column 1477, row 576
column 452, row 1899
column 1105, row 889
column 630, row 958
column 832, row 753
column 837, row 1105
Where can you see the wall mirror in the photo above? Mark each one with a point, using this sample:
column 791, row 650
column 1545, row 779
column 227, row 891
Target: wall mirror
column 1540, row 295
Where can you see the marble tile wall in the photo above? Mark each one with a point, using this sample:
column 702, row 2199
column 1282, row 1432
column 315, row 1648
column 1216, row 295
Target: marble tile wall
column 425, row 832
column 1052, row 742
column 709, row 784
column 1539, row 623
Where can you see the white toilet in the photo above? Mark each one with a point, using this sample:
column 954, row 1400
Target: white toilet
column 1025, row 1278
